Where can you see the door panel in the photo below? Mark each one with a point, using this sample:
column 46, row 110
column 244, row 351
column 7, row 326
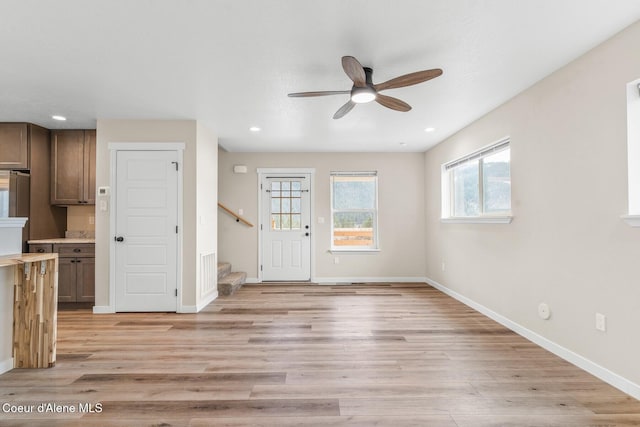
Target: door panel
column 146, row 219
column 66, row 279
column 286, row 222
column 85, row 279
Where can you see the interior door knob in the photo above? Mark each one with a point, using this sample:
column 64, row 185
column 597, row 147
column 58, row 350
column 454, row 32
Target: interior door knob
column 119, row 239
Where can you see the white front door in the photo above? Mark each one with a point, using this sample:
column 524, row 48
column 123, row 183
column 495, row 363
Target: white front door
column 286, row 227
column 146, row 239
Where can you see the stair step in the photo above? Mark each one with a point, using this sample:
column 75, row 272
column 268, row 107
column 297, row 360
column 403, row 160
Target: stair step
column 224, row 268
column 231, row 282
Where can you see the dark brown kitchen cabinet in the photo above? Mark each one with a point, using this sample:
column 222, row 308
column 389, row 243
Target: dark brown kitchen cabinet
column 14, row 146
column 76, row 279
column 76, row 269
column 45, row 220
column 73, row 167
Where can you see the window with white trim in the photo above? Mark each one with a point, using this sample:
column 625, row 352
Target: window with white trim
column 354, row 211
column 478, row 185
column 633, row 152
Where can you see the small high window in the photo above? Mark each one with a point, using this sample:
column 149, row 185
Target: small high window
column 354, row 210
column 478, row 185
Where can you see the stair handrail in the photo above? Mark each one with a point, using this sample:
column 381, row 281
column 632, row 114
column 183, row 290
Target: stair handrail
column 235, row 215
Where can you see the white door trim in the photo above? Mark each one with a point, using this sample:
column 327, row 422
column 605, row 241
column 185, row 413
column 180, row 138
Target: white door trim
column 311, row 171
column 113, row 148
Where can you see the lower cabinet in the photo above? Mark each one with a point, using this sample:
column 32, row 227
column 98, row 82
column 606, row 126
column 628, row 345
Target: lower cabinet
column 76, row 270
column 76, row 279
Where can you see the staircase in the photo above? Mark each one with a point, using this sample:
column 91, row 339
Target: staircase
column 228, row 281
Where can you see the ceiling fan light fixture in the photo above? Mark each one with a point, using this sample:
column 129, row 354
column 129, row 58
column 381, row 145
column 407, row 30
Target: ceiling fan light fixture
column 361, row 95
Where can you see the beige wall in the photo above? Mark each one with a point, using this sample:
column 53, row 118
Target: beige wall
column 185, row 131
column 567, row 245
column 401, row 207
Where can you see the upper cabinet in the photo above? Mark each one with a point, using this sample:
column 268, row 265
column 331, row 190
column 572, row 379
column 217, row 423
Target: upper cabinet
column 27, row 147
column 73, row 167
column 14, row 146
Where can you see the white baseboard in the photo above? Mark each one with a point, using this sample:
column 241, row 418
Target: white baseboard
column 343, row 280
column 103, row 309
column 6, row 365
column 601, row 372
column 202, row 304
column 322, row 280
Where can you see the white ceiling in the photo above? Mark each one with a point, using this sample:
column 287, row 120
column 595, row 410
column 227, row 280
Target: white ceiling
column 231, row 63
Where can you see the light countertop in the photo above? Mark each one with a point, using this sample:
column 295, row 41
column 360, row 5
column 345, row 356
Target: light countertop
column 59, row 240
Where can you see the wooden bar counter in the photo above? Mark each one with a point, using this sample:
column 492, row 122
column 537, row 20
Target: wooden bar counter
column 35, row 308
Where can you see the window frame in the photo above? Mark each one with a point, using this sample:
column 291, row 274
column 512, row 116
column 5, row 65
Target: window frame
column 375, row 247
column 632, row 218
column 448, row 187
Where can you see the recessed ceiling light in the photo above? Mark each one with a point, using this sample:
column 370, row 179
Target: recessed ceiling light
column 429, row 129
column 60, row 118
column 254, row 129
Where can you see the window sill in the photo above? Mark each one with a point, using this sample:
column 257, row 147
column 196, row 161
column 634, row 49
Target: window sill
column 478, row 220
column 333, row 251
column 631, row 220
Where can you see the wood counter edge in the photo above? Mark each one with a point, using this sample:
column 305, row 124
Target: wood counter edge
column 16, row 259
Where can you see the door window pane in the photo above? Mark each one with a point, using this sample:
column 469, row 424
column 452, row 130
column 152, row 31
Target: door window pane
column 275, row 205
column 284, row 202
column 296, row 222
column 275, row 222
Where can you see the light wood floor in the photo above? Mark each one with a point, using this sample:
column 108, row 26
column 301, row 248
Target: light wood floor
column 285, row 355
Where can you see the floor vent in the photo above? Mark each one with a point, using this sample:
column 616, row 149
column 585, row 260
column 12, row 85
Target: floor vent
column 208, row 273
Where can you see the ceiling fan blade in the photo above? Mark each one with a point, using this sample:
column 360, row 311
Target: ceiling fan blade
column 321, row 93
column 409, row 79
column 354, row 70
column 344, row 109
column 393, row 103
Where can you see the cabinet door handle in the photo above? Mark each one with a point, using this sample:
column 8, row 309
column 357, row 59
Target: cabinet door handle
column 76, row 250
column 78, row 260
column 41, row 250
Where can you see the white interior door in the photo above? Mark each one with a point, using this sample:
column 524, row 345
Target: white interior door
column 286, row 227
column 146, row 230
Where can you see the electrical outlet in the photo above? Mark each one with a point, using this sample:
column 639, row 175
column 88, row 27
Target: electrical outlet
column 601, row 322
column 336, row 260
column 92, row 219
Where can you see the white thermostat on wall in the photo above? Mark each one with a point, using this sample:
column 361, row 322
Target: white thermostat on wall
column 103, row 191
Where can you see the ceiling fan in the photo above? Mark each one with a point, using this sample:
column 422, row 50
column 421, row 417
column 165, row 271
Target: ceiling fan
column 364, row 90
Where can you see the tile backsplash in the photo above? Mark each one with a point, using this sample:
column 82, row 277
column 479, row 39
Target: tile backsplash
column 81, row 221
